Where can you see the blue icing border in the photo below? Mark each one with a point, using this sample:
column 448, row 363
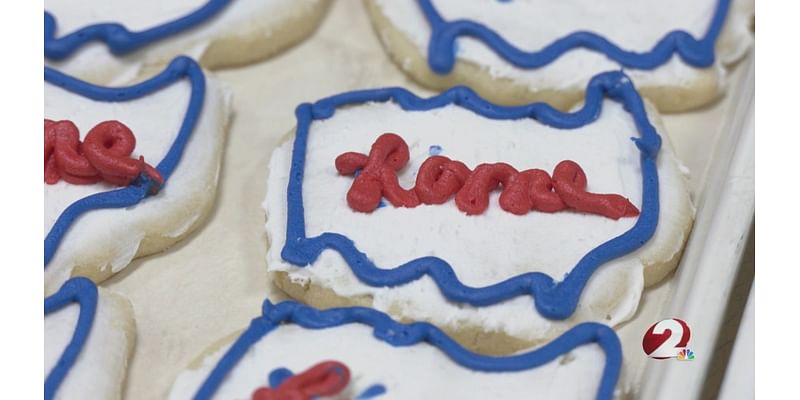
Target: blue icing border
column 695, row 52
column 555, row 300
column 400, row 335
column 83, row 290
column 117, row 37
column 181, row 67
column 76, row 290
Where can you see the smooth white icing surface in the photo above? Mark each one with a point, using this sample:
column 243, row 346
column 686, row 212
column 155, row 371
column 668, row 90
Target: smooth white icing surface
column 94, row 60
column 484, row 249
column 533, row 24
column 155, row 121
column 98, row 371
column 420, row 371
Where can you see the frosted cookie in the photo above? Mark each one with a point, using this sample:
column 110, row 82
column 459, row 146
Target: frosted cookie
column 128, row 171
column 521, row 222
column 105, row 42
column 360, row 353
column 89, row 334
column 518, row 51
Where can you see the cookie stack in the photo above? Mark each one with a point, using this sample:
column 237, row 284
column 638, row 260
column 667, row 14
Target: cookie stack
column 482, row 241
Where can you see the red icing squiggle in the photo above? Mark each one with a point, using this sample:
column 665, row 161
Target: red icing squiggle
column 327, row 378
column 439, row 178
column 104, row 154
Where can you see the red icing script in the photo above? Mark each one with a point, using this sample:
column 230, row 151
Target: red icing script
column 439, row 178
column 327, row 378
column 104, row 154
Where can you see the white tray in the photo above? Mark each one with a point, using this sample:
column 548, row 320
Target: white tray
column 214, row 282
column 725, row 199
column 739, row 382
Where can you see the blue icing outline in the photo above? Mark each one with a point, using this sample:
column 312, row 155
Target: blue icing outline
column 76, row 290
column 401, row 335
column 695, row 52
column 554, row 300
column 117, row 37
column 181, row 67
column 83, row 290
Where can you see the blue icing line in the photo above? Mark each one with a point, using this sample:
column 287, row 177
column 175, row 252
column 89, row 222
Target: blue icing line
column 180, row 68
column 117, row 37
column 76, row 290
column 80, row 289
column 695, row 52
column 555, row 300
column 401, row 335
column 372, row 392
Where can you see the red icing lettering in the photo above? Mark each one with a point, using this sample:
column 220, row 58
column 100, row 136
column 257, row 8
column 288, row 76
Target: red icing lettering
column 440, row 178
column 327, row 378
column 378, row 177
column 104, row 154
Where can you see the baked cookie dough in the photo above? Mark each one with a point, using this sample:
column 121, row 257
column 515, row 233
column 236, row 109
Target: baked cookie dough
column 179, row 118
column 89, row 335
column 475, row 275
column 559, row 74
column 357, row 353
column 216, row 33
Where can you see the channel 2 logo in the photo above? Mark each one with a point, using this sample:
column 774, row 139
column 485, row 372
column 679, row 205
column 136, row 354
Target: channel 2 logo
column 668, row 338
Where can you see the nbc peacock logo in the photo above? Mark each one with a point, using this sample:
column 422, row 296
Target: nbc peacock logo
column 685, row 355
column 667, row 339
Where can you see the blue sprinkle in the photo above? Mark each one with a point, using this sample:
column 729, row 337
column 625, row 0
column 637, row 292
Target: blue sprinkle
column 278, row 375
column 504, row 1
column 372, row 392
column 357, row 173
column 435, row 150
column 382, row 204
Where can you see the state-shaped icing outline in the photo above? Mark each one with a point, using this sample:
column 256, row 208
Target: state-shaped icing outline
column 554, row 300
column 117, row 37
column 399, row 334
column 180, row 68
column 83, row 292
column 442, row 55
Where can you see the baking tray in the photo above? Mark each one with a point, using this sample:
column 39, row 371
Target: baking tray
column 213, row 282
column 708, row 270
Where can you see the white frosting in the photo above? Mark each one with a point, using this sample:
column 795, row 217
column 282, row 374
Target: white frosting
column 111, row 237
column 484, row 249
column 99, row 371
column 94, row 60
column 414, row 372
column 533, row 24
